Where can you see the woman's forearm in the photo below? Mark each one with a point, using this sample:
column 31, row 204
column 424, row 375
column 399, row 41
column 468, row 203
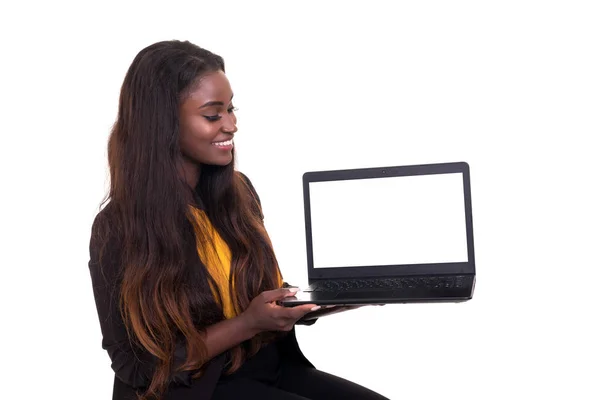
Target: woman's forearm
column 227, row 334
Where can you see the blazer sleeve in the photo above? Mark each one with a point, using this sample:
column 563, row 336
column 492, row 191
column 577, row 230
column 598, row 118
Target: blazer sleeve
column 131, row 364
column 257, row 198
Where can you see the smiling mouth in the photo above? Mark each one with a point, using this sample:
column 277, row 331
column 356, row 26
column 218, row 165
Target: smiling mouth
column 223, row 144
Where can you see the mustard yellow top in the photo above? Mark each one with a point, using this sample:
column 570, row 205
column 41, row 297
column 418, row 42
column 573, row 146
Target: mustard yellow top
column 218, row 263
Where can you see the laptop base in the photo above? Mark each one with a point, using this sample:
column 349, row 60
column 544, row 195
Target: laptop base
column 378, row 297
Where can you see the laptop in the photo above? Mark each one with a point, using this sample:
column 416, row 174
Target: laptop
column 385, row 235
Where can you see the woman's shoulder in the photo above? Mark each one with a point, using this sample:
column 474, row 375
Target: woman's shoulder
column 104, row 222
column 248, row 183
column 240, row 175
column 104, row 238
column 254, row 198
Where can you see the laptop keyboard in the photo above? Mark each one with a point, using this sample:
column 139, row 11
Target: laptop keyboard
column 432, row 282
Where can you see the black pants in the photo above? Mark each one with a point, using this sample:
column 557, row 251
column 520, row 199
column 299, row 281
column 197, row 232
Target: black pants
column 267, row 376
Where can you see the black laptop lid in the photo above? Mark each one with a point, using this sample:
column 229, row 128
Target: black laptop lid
column 391, row 220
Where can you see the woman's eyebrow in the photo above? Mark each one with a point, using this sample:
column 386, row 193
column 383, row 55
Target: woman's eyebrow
column 214, row 103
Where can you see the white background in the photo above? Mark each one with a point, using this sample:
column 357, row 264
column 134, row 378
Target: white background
column 388, row 221
column 512, row 87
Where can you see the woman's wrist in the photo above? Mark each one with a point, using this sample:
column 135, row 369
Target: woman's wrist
column 247, row 326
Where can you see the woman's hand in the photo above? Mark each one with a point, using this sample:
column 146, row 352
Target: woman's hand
column 264, row 314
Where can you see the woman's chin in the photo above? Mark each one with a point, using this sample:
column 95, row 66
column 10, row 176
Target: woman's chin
column 221, row 161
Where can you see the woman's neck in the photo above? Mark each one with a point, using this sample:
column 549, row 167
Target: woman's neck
column 190, row 172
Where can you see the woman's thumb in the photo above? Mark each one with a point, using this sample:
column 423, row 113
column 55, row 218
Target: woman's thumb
column 278, row 294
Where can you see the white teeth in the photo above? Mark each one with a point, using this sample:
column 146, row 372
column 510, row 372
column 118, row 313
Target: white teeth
column 225, row 143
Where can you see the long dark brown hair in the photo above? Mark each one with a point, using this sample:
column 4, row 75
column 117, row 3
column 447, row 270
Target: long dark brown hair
column 163, row 300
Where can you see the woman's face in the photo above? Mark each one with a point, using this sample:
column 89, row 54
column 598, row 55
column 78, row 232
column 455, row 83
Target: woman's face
column 207, row 122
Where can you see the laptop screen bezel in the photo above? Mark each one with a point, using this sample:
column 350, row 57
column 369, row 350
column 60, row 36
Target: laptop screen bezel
column 390, row 270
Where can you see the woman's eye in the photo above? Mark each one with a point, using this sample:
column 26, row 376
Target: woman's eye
column 214, row 118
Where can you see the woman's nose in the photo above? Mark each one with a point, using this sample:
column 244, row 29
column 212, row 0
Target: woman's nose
column 229, row 124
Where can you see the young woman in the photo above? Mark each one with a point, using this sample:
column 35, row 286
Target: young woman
column 184, row 275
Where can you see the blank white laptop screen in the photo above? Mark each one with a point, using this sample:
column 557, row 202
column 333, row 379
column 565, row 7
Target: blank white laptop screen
column 388, row 221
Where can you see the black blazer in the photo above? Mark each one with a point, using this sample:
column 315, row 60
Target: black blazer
column 133, row 367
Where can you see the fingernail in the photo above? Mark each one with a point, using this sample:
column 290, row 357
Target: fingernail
column 294, row 289
column 315, row 308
